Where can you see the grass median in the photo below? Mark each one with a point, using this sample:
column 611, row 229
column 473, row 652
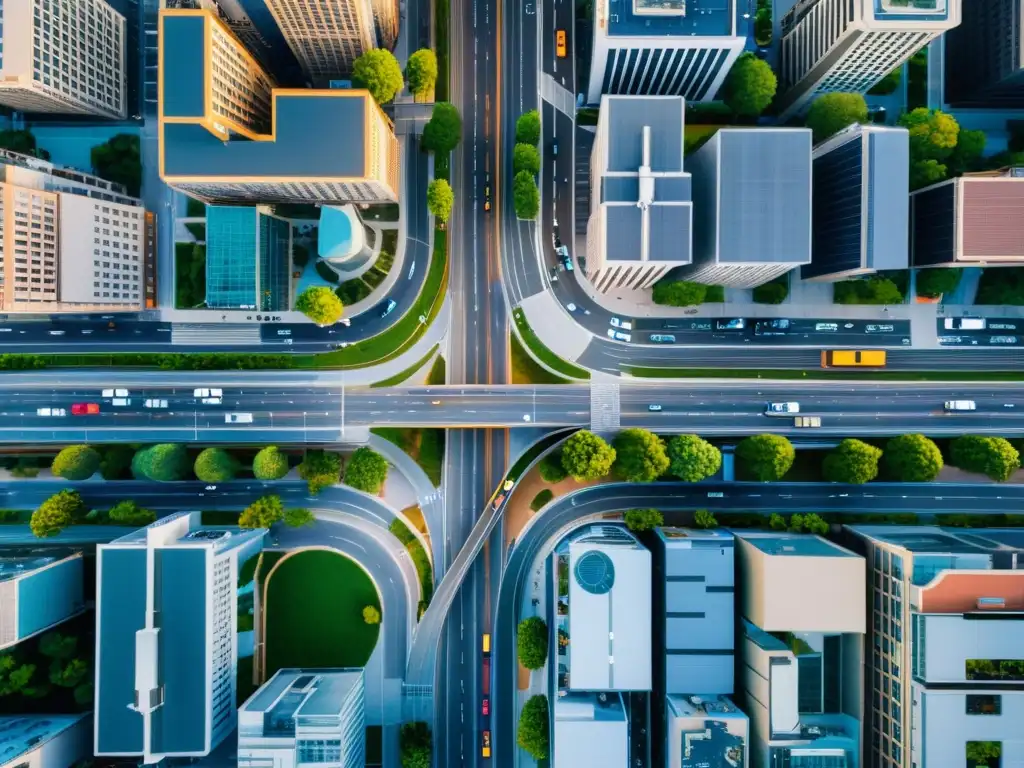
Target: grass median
column 425, row 446
column 834, row 374
column 419, row 559
column 402, row 376
column 542, row 353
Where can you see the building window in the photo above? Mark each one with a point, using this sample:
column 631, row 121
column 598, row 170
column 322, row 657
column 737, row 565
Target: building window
column 994, row 669
column 983, row 704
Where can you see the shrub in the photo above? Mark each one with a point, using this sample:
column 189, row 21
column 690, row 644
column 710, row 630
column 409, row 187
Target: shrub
column 932, row 283
column 678, row 293
column 912, row 459
column 586, row 456
column 692, row 458
column 640, row 456
column 808, row 523
column 533, row 727
column 320, row 469
column 704, row 519
column 56, row 513
column 532, row 642
column 993, row 456
column 371, row 615
column 164, row 462
column 298, row 517
column 76, row 462
column 129, row 513
column 766, row 457
column 262, row 513
column 872, row 290
column 541, row 499
column 774, row 292
column 638, row 520
column 528, row 128
column 852, row 461
column 215, row 465
column 777, row 522
column 366, row 471
column 270, row 464
column 526, row 157
column 551, row 469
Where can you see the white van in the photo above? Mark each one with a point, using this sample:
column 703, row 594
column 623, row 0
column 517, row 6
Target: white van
column 51, row 412
column 964, row 323
column 238, row 418
column 121, row 401
column 960, row 405
column 114, row 393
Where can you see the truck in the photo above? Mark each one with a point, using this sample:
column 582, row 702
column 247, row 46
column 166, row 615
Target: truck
column 964, row 323
column 853, row 358
column 960, row 405
column 807, row 421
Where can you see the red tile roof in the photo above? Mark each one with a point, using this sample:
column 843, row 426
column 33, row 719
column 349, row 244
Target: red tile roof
column 993, row 218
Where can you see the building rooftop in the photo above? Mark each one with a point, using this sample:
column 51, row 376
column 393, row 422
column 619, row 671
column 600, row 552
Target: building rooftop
column 786, row 544
column 992, row 211
column 247, row 258
column 20, row 734
column 590, row 730
column 673, row 537
column 705, row 732
column 298, row 693
column 673, row 18
column 934, row 539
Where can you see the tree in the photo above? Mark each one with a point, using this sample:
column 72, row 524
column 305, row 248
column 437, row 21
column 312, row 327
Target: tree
column 587, row 456
column 120, row 161
column 852, row 461
column 912, row 459
column 776, row 522
column 129, row 513
column 873, row 290
column 415, row 745
column 23, row 142
column 320, row 469
column 55, row 645
column 808, row 523
column 163, row 462
column 298, row 517
column 692, row 458
column 366, row 471
column 750, row 86
column 56, row 513
column 270, row 464
column 215, row 465
column 831, row 112
column 320, row 304
column 528, row 128
column 68, row 674
column 443, row 131
column 984, row 753
column 421, row 72
column 679, row 293
column 969, row 147
column 926, row 172
column 994, row 456
column 933, row 133
column 377, row 71
column 532, row 642
column 774, row 292
column 525, row 157
column 371, row 615
column 551, row 469
column 766, row 456
column 525, row 195
column 887, row 84
column 932, row 283
column 440, row 199
column 116, row 461
column 262, row 513
column 641, row 456
column 533, row 727
column 76, row 462
column 639, row 520
column 704, row 519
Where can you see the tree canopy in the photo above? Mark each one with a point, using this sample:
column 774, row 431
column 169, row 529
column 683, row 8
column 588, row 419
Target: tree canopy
column 371, row 615
column 533, row 727
column 270, row 464
column 691, row 458
column 56, row 513
column 129, row 513
column 766, row 457
column 525, row 195
column 969, row 146
column 749, row 86
column 912, row 459
column 551, row 469
column 377, row 71
column 704, row 519
column 926, row 172
column 320, row 469
column 638, row 520
column 640, row 455
column 76, row 462
column 215, row 465
column 298, row 517
column 163, row 462
column 831, row 112
column 993, row 456
column 679, row 293
column 532, row 642
column 23, row 142
column 443, row 131
column 933, row 133
column 415, row 745
column 440, row 199
column 852, row 461
column 119, row 160
column 366, row 471
column 873, row 290
column 528, row 128
column 320, row 304
column 526, row 157
column 587, row 456
column 808, row 523
column 421, row 72
column 932, row 283
column 262, row 513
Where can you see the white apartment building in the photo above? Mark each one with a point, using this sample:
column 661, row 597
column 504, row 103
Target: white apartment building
column 849, row 45
column 39, row 589
column 63, row 56
column 327, row 36
column 70, row 242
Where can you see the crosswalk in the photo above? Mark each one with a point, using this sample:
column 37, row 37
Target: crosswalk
column 207, row 334
column 604, row 406
column 557, row 95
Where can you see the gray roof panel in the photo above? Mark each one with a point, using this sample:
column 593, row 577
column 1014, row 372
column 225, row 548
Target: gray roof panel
column 623, row 231
column 672, row 189
column 669, row 227
column 888, row 205
column 628, row 116
column 620, row 189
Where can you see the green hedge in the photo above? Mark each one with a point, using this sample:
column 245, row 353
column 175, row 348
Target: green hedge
column 418, row 556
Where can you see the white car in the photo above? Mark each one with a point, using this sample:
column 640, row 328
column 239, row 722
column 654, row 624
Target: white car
column 773, row 408
column 51, row 412
column 56, row 333
column 571, row 307
column 121, row 401
column 238, row 418
column 526, row 417
column 204, row 392
column 210, row 488
column 626, row 325
column 960, row 405
column 155, row 404
column 114, row 393
column 618, row 335
column 211, row 401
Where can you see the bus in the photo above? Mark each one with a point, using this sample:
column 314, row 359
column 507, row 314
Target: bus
column 487, row 644
column 849, row 358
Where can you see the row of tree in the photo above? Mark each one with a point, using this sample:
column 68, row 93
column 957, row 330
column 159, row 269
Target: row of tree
column 379, row 72
column 635, row 455
column 526, row 166
column 639, row 520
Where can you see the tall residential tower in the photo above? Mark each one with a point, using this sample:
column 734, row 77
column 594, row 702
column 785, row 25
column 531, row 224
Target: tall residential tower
column 985, row 56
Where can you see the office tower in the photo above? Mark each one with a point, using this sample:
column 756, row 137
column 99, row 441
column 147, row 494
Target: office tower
column 39, row 588
column 849, row 45
column 606, row 615
column 166, row 629
column 984, row 56
column 640, row 211
column 861, row 179
column 976, row 220
column 248, row 258
column 63, row 56
column 236, row 139
column 71, row 242
column 41, row 741
column 304, row 717
column 804, row 610
column 945, row 660
column 752, row 206
column 327, row 36
column 665, row 47
column 703, row 732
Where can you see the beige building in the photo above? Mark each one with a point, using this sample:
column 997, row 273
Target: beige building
column 327, row 36
column 69, row 242
column 63, row 56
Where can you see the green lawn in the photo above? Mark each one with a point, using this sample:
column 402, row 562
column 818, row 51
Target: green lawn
column 525, row 370
column 314, row 608
column 437, row 372
column 402, row 376
column 544, row 354
column 424, row 446
column 419, row 559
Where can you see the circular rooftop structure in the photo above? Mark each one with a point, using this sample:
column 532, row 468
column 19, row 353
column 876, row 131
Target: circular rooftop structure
column 595, row 572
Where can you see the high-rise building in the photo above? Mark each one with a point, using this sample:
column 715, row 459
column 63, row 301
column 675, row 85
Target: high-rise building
column 63, row 56
column 665, row 47
column 945, row 665
column 70, row 242
column 804, row 615
column 752, row 206
column 641, row 215
column 860, row 212
column 166, row 638
column 849, row 45
column 304, row 717
column 248, row 258
column 985, row 56
column 327, row 36
column 227, row 135
column 975, row 220
column 39, row 588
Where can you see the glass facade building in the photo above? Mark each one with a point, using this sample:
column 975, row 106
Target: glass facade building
column 248, row 252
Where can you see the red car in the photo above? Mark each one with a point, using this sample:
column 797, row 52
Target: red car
column 81, row 409
column 487, row 706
